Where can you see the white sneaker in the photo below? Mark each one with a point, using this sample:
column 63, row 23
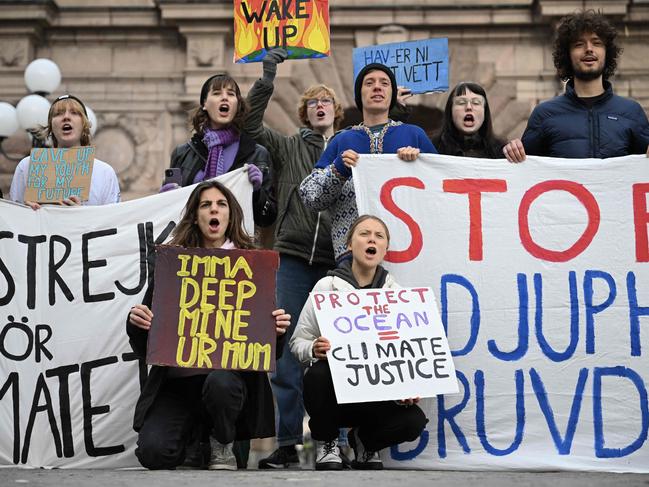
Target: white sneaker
column 364, row 459
column 328, row 456
column 222, row 456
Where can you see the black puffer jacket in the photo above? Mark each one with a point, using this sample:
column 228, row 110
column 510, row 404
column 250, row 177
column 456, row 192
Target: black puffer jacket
column 191, row 157
column 565, row 127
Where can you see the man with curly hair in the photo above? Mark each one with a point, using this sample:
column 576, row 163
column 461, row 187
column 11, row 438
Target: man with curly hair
column 587, row 120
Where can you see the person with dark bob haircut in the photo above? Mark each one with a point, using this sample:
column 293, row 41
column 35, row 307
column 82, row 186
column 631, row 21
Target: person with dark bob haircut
column 178, row 403
column 219, row 145
column 467, row 129
column 587, row 120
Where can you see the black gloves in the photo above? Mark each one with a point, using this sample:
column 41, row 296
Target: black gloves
column 271, row 60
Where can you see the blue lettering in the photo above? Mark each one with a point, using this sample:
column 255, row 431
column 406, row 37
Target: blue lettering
column 563, row 444
column 480, row 415
column 635, row 312
column 574, row 320
column 593, row 309
column 598, row 423
column 523, row 326
column 444, row 414
column 475, row 310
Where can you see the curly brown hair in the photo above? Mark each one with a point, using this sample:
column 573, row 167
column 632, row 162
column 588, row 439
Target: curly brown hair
column 570, row 28
column 317, row 91
column 199, row 118
column 187, row 233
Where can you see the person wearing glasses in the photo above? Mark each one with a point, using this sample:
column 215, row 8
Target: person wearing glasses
column 302, row 236
column 467, row 130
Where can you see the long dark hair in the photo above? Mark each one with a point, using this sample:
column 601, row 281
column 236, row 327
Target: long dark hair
column 450, row 139
column 187, row 233
column 200, row 119
column 569, row 30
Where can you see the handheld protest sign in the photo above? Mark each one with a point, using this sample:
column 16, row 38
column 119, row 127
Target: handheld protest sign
column 386, row 344
column 301, row 27
column 421, row 66
column 213, row 309
column 58, row 173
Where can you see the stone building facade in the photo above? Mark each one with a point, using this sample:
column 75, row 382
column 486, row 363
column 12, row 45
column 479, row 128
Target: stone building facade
column 140, row 63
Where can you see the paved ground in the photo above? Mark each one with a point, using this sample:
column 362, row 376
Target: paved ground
column 287, row 478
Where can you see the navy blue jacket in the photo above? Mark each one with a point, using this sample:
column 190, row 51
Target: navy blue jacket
column 565, row 127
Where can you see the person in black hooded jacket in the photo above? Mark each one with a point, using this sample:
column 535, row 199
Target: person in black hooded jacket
column 220, row 145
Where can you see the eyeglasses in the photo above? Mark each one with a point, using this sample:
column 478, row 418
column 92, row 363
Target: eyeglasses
column 313, row 102
column 462, row 102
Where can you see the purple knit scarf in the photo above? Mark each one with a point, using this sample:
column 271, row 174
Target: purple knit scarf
column 216, row 140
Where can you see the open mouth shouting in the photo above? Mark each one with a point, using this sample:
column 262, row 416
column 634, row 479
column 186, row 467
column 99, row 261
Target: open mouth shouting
column 469, row 120
column 320, row 114
column 224, row 109
column 370, row 251
column 67, row 128
column 214, row 225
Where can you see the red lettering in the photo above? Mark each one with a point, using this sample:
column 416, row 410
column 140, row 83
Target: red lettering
column 421, row 291
column 417, row 239
column 584, row 196
column 640, row 220
column 334, row 301
column 474, row 188
column 389, row 296
column 401, row 296
column 319, row 299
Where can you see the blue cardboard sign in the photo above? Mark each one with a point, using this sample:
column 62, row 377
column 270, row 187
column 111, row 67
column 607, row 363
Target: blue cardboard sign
column 421, row 65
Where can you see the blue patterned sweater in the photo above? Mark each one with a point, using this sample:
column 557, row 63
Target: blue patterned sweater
column 330, row 185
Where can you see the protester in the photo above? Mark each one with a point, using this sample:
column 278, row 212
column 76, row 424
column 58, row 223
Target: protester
column 588, row 120
column 219, row 145
column 330, row 186
column 375, row 425
column 68, row 126
column 302, row 236
column 467, row 130
column 235, row 404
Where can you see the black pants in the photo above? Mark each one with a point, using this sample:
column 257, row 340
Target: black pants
column 379, row 424
column 183, row 404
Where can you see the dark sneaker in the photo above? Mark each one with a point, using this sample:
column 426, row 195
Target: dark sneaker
column 327, row 456
column 365, row 459
column 283, row 457
column 222, row 456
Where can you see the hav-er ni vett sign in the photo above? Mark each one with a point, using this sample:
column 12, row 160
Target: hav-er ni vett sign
column 421, row 66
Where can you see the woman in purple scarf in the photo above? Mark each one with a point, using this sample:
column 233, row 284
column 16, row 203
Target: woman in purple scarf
column 218, row 145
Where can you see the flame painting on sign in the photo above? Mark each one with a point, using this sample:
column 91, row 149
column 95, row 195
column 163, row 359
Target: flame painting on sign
column 299, row 26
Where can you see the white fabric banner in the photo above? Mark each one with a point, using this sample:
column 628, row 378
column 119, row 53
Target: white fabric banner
column 386, row 344
column 541, row 271
column 68, row 276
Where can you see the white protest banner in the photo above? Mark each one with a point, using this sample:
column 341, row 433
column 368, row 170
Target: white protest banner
column 386, row 344
column 541, row 270
column 68, row 277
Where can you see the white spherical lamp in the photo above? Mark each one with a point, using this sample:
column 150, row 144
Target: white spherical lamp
column 32, row 112
column 8, row 119
column 92, row 118
column 42, row 76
